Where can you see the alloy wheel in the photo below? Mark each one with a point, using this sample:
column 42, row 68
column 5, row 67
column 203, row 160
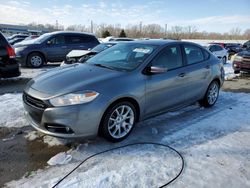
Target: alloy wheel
column 121, row 121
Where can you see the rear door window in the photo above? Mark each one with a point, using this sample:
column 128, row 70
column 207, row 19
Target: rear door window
column 193, row 54
column 74, row 39
column 170, row 58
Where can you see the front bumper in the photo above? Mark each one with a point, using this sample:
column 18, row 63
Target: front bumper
column 241, row 66
column 10, row 70
column 82, row 120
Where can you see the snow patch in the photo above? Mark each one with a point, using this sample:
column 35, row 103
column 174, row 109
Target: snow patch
column 61, row 158
column 53, row 141
column 12, row 111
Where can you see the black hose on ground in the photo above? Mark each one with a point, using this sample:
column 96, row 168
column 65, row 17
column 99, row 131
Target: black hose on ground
column 116, row 148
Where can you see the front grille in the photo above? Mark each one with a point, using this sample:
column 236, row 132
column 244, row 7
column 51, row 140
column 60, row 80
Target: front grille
column 246, row 60
column 31, row 101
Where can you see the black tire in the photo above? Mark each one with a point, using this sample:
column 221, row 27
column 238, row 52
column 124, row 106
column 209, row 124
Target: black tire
column 106, row 130
column 224, row 60
column 207, row 101
column 35, row 60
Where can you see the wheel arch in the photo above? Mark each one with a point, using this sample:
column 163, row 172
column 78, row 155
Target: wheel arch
column 43, row 55
column 123, row 99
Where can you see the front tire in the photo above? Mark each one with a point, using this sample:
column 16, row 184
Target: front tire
column 35, row 60
column 211, row 95
column 119, row 121
column 224, row 60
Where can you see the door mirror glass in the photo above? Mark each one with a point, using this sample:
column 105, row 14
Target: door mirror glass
column 157, row 70
column 49, row 42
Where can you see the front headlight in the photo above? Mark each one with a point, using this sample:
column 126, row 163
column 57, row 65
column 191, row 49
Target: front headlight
column 18, row 49
column 74, row 98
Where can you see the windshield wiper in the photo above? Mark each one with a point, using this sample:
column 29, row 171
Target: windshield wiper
column 104, row 66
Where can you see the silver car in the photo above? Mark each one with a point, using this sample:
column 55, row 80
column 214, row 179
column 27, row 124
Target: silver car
column 120, row 86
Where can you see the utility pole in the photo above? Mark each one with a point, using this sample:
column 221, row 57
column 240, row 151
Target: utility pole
column 56, row 24
column 140, row 28
column 166, row 29
column 91, row 26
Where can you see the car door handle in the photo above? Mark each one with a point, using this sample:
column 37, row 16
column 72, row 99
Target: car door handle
column 182, row 74
column 207, row 67
column 64, row 46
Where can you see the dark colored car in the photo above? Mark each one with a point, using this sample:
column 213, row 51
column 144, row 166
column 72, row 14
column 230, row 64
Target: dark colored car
column 246, row 45
column 83, row 55
column 53, row 47
column 8, row 65
column 121, row 39
column 241, row 62
column 120, row 86
column 233, row 48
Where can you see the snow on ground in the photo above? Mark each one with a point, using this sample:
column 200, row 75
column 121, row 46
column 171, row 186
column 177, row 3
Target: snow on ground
column 215, row 144
column 12, row 111
column 31, row 73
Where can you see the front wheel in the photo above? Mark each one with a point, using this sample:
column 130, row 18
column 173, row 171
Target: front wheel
column 224, row 60
column 35, row 60
column 119, row 121
column 211, row 95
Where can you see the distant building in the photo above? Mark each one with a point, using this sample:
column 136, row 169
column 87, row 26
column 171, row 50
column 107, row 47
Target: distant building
column 8, row 29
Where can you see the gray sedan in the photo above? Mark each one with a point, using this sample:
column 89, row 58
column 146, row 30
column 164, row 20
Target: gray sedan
column 120, row 86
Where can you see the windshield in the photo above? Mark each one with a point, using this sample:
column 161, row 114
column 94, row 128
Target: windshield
column 102, row 47
column 125, row 56
column 42, row 38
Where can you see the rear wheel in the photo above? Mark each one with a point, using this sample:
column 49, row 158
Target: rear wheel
column 119, row 121
column 35, row 60
column 211, row 95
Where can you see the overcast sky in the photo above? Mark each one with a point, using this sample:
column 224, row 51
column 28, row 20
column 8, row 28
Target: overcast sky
column 208, row 15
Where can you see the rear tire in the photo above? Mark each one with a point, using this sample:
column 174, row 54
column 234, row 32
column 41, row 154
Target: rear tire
column 35, row 60
column 118, row 121
column 211, row 95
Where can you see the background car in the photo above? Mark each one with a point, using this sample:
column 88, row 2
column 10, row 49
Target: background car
column 120, row 86
column 52, row 47
column 8, row 65
column 17, row 36
column 83, row 55
column 233, row 48
column 241, row 62
column 246, row 45
column 16, row 40
column 218, row 51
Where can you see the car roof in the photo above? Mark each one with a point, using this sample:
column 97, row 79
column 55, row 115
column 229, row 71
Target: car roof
column 162, row 42
column 71, row 32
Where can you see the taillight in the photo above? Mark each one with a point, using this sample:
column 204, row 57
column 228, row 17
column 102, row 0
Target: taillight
column 11, row 52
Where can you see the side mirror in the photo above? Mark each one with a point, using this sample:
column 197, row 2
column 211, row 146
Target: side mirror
column 155, row 70
column 49, row 42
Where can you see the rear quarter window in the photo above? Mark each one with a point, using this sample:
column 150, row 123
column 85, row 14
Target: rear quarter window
column 193, row 54
column 88, row 39
column 206, row 54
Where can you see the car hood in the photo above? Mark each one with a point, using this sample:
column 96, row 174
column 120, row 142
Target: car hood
column 77, row 77
column 25, row 43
